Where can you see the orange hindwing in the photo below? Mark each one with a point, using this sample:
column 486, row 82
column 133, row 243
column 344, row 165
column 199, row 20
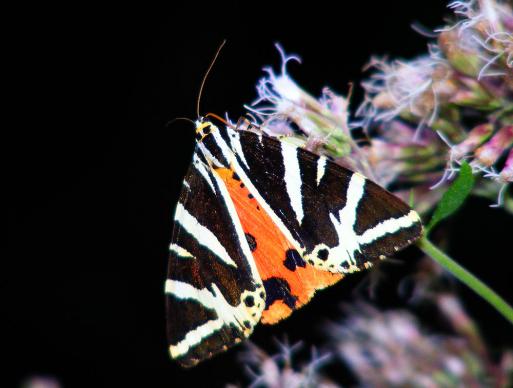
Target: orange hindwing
column 289, row 281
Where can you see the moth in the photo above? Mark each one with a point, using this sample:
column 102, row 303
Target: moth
column 259, row 227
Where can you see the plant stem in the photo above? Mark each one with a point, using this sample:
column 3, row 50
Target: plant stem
column 467, row 278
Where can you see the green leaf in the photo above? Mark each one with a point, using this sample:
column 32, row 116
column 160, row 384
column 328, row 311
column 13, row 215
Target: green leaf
column 411, row 199
column 454, row 197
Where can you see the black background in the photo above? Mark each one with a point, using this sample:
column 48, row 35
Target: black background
column 94, row 172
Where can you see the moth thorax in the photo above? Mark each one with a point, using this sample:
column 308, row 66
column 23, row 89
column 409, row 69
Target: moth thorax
column 203, row 129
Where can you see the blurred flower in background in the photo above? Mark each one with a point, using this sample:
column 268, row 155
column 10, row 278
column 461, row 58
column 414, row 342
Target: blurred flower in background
column 281, row 370
column 392, row 348
column 40, row 382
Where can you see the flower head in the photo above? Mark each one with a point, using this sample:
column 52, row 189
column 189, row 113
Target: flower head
column 467, row 74
column 280, row 100
column 391, row 348
column 485, row 30
column 280, row 370
column 413, row 89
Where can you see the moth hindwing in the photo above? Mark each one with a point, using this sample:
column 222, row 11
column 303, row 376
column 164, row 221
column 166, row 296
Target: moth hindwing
column 259, row 227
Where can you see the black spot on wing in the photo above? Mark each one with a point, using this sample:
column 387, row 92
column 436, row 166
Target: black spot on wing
column 323, row 254
column 293, row 259
column 249, row 301
column 278, row 289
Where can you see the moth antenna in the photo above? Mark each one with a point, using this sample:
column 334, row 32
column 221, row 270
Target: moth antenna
column 217, row 117
column 179, row 118
column 205, row 77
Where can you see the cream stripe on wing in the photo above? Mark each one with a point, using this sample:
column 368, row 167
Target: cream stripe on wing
column 344, row 225
column 183, row 290
column 198, row 164
column 208, row 155
column 202, row 234
column 195, row 336
column 347, row 215
column 321, row 168
column 391, row 225
column 223, row 146
column 292, row 178
column 181, row 252
column 237, row 146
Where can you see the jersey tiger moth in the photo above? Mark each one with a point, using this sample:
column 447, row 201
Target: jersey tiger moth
column 260, row 225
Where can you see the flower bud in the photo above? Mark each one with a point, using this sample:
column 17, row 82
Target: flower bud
column 506, row 174
column 492, row 150
column 472, row 94
column 477, row 136
column 461, row 51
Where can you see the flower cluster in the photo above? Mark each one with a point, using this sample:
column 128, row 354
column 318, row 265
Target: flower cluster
column 421, row 118
column 467, row 76
column 391, row 348
column 280, row 370
column 284, row 109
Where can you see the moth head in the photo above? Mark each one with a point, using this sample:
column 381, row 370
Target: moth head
column 203, row 129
